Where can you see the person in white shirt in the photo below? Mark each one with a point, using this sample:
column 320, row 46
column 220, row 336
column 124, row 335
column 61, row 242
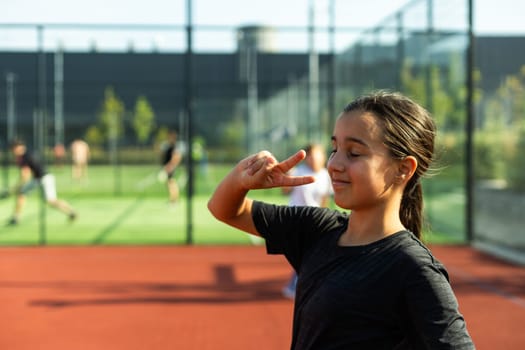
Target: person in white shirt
column 315, row 194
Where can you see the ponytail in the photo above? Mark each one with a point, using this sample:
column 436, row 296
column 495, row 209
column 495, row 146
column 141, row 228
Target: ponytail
column 411, row 211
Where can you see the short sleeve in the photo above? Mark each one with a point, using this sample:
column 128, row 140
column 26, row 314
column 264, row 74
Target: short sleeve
column 434, row 310
column 292, row 230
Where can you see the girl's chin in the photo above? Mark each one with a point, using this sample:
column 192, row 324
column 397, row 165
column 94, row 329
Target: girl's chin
column 341, row 204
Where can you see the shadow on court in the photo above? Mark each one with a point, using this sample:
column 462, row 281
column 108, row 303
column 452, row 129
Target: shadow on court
column 206, row 297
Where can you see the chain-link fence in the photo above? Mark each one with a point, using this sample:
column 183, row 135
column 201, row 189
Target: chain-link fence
column 262, row 89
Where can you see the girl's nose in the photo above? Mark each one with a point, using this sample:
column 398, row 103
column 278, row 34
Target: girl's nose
column 334, row 164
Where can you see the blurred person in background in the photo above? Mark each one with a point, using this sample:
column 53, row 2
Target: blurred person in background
column 32, row 175
column 315, row 194
column 80, row 154
column 170, row 160
column 59, row 154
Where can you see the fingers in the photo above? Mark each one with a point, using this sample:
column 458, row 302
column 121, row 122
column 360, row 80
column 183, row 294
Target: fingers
column 292, row 161
column 275, row 173
column 255, row 164
column 297, row 180
column 266, row 159
column 288, row 164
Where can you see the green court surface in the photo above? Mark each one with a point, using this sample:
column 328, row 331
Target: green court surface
column 124, row 220
column 128, row 206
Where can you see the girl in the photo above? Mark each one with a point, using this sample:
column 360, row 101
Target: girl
column 365, row 279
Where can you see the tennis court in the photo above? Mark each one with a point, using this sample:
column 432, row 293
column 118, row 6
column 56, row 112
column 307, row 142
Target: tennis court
column 134, row 273
column 205, row 297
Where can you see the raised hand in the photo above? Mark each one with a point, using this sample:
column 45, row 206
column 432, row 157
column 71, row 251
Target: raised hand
column 229, row 203
column 262, row 170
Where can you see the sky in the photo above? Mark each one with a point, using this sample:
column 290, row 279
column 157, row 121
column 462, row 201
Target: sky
column 490, row 17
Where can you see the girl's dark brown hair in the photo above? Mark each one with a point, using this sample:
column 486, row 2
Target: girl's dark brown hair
column 408, row 130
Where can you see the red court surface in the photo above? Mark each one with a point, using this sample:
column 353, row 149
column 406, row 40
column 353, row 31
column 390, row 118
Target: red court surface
column 203, row 298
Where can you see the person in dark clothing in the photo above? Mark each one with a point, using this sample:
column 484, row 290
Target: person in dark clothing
column 171, row 158
column 32, row 175
column 366, row 280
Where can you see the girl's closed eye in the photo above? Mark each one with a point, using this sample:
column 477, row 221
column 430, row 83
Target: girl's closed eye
column 350, row 154
column 353, row 153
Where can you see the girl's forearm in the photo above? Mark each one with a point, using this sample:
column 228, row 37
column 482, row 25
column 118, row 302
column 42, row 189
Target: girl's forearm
column 227, row 199
column 230, row 205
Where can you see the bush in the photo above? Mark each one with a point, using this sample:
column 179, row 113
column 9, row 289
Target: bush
column 515, row 174
column 450, row 150
column 489, row 154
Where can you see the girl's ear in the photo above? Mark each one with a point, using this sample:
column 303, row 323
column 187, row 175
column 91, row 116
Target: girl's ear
column 406, row 168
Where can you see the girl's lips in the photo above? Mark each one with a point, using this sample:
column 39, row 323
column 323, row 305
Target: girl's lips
column 339, row 183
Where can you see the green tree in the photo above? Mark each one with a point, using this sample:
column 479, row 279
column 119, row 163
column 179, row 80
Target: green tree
column 505, row 109
column 143, row 121
column 413, row 84
column 414, row 81
column 111, row 116
column 442, row 103
column 505, row 114
column 515, row 173
column 447, row 87
column 93, row 136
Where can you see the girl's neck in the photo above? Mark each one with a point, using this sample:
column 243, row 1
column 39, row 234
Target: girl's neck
column 365, row 227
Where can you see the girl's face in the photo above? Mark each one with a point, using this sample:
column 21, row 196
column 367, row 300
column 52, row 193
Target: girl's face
column 362, row 171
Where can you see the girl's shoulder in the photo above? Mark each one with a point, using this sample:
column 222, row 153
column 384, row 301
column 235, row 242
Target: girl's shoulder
column 304, row 216
column 415, row 255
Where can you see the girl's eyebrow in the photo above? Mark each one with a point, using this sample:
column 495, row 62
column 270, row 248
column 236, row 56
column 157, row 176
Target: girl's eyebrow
column 352, row 139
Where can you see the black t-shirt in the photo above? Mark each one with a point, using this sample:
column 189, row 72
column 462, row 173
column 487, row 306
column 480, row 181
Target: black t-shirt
column 390, row 294
column 37, row 169
column 167, row 153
